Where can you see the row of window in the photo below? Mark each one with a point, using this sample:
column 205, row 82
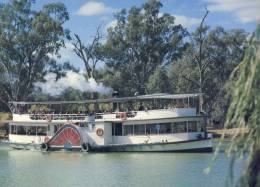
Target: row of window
column 121, row 130
column 161, row 128
column 33, row 130
column 29, row 130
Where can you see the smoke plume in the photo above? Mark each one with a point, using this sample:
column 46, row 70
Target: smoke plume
column 71, row 80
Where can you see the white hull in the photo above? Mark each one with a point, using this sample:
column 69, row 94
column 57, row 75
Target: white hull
column 202, row 145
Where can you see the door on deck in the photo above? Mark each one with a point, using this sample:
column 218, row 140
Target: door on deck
column 117, row 129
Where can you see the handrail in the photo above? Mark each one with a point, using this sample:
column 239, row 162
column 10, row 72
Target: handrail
column 81, row 116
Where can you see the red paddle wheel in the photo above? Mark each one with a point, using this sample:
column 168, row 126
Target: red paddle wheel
column 68, row 135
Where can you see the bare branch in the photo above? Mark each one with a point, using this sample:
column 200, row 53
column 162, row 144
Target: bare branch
column 87, row 53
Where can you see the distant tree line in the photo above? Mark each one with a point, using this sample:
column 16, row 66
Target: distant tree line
column 145, row 52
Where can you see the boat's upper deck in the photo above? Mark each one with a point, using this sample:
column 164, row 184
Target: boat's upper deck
column 115, row 116
column 144, row 107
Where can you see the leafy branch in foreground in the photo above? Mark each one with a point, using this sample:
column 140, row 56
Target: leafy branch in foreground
column 244, row 112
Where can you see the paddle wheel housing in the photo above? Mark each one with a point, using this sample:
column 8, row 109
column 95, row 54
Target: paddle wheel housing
column 67, row 137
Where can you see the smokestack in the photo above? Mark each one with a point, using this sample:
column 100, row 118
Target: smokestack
column 115, row 94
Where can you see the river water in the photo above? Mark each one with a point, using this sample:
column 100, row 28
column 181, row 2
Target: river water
column 33, row 168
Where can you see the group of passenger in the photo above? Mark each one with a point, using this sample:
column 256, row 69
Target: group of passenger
column 45, row 115
column 80, row 115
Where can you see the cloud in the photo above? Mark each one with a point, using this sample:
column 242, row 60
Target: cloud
column 246, row 10
column 186, row 21
column 112, row 24
column 66, row 54
column 71, row 80
column 93, row 8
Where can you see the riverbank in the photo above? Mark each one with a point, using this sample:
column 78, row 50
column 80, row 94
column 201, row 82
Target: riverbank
column 217, row 133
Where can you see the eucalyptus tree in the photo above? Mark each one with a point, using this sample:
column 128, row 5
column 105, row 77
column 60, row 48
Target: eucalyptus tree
column 27, row 38
column 159, row 82
column 142, row 40
column 207, row 63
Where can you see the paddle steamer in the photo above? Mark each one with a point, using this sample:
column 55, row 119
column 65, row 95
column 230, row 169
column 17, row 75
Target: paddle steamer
column 143, row 123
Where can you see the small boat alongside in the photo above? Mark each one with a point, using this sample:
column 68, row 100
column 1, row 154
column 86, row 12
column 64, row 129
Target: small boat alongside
column 144, row 123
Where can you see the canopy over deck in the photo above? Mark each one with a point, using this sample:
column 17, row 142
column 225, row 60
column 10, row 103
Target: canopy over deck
column 114, row 99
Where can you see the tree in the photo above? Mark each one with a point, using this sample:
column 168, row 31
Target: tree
column 244, row 111
column 142, row 40
column 59, row 69
column 27, row 38
column 159, row 82
column 91, row 54
column 206, row 66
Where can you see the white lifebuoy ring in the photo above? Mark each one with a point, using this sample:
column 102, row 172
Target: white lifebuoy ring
column 44, row 147
column 100, row 132
column 122, row 115
column 85, row 147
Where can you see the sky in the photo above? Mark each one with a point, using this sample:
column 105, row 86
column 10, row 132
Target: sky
column 87, row 15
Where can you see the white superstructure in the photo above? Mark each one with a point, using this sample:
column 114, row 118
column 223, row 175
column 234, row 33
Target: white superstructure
column 157, row 122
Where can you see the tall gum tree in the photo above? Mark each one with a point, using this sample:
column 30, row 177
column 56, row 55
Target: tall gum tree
column 142, row 40
column 27, row 38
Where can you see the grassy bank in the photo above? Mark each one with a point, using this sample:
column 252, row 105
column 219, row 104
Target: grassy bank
column 217, row 133
column 5, row 116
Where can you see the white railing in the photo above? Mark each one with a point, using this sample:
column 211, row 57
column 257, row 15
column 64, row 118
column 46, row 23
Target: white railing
column 145, row 114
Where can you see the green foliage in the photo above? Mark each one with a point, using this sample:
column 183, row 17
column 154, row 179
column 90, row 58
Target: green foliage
column 27, row 38
column 5, row 116
column 207, row 70
column 142, row 40
column 60, row 69
column 38, row 108
column 244, row 111
column 159, row 82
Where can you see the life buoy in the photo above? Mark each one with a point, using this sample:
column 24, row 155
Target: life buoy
column 100, row 132
column 46, row 139
column 44, row 147
column 49, row 118
column 122, row 115
column 85, row 147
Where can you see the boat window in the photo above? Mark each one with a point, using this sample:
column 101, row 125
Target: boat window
column 21, row 130
column 179, row 127
column 152, row 128
column 128, row 130
column 139, row 129
column 117, row 129
column 12, row 129
column 42, row 131
column 30, row 130
column 200, row 126
column 192, row 126
column 165, row 128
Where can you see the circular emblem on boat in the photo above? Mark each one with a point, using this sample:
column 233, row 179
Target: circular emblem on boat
column 122, row 115
column 100, row 132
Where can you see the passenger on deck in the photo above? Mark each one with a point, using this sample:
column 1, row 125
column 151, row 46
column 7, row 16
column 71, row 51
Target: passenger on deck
column 141, row 107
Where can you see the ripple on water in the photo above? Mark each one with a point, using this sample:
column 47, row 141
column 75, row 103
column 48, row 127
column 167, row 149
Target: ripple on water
column 33, row 168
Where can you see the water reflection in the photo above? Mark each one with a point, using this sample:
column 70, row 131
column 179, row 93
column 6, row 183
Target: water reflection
column 31, row 168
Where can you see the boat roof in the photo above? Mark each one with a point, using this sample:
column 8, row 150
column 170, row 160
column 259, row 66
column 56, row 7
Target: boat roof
column 115, row 99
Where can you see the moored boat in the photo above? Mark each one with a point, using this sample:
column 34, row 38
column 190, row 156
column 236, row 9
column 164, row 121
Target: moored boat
column 145, row 123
